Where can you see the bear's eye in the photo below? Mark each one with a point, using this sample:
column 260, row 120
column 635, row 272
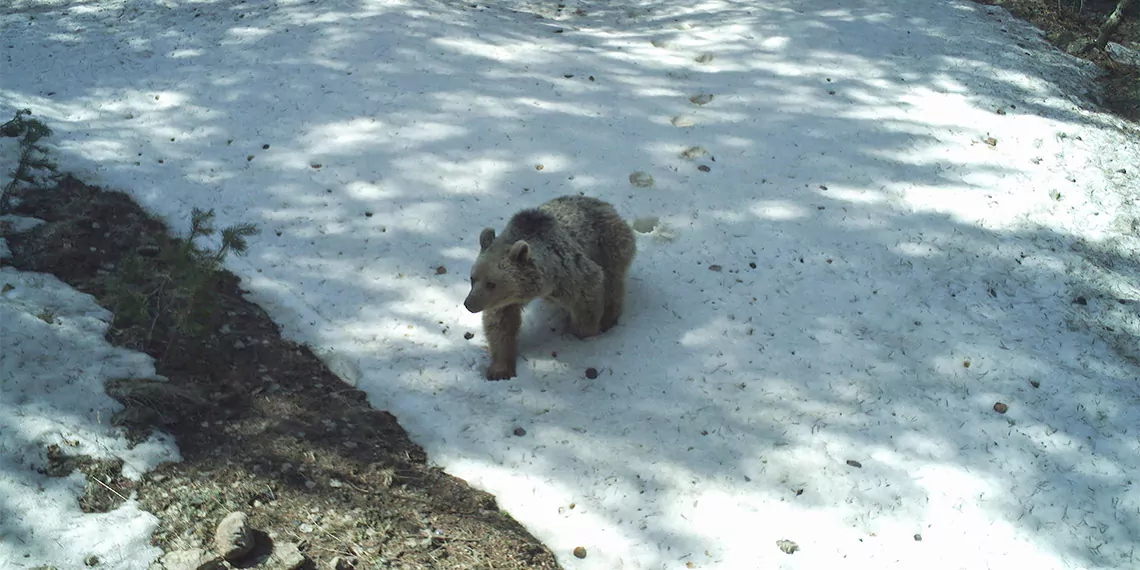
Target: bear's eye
column 490, row 286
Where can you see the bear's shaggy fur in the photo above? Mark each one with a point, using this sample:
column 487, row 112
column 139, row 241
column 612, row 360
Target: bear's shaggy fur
column 573, row 250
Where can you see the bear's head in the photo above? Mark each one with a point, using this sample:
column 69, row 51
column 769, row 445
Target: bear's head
column 503, row 274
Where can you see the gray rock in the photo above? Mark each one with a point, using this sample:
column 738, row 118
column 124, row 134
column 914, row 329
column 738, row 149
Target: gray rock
column 342, row 563
column 195, row 559
column 1123, row 55
column 286, row 556
column 233, row 537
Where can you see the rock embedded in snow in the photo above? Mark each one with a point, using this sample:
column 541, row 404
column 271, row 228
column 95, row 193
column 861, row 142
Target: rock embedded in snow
column 787, row 546
column 641, row 179
column 233, row 537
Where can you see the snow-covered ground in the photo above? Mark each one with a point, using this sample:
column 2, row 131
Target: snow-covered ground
column 901, row 202
column 53, row 364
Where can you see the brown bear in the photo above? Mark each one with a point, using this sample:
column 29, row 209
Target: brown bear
column 574, row 251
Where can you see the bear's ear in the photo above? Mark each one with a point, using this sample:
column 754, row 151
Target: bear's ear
column 520, row 251
column 486, row 238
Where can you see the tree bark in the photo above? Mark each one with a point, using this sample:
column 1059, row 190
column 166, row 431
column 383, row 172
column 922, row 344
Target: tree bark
column 1112, row 23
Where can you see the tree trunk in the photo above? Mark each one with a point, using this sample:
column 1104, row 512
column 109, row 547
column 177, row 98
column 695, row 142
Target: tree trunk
column 1112, row 23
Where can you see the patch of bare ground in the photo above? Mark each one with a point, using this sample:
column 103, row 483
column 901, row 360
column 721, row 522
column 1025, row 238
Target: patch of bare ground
column 263, row 427
column 1073, row 26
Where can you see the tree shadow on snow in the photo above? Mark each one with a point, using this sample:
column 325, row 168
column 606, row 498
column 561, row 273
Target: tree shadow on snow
column 371, row 142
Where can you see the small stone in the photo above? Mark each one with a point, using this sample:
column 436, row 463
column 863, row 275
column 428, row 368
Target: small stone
column 342, row 563
column 91, row 560
column 264, row 147
column 233, row 537
column 1035, row 383
column 591, row 373
column 787, row 546
column 287, row 556
column 715, row 267
column 468, row 335
column 701, row 99
column 854, row 463
column 704, row 168
column 539, row 167
column 520, row 432
column 579, row 552
column 1081, row 300
column 316, row 165
column 641, row 179
column 1001, row 408
column 917, row 537
column 441, row 270
column 195, row 559
column 704, row 58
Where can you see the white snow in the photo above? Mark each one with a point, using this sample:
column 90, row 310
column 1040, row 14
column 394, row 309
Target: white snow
column 54, row 363
column 909, row 273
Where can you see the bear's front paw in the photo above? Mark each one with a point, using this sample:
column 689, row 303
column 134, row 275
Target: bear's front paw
column 500, row 371
column 584, row 332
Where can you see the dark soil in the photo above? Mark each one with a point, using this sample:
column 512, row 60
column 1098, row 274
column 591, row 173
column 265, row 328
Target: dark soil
column 1072, row 25
column 263, row 427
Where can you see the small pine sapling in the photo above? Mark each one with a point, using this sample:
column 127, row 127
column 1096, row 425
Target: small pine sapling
column 33, row 156
column 176, row 290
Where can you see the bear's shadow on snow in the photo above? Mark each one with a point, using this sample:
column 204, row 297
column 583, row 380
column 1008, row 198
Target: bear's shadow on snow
column 677, row 388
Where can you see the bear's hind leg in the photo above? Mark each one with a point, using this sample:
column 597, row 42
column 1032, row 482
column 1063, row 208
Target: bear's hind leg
column 587, row 309
column 615, row 301
column 501, row 327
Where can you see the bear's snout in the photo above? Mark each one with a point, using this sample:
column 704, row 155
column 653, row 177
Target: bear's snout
column 472, row 305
